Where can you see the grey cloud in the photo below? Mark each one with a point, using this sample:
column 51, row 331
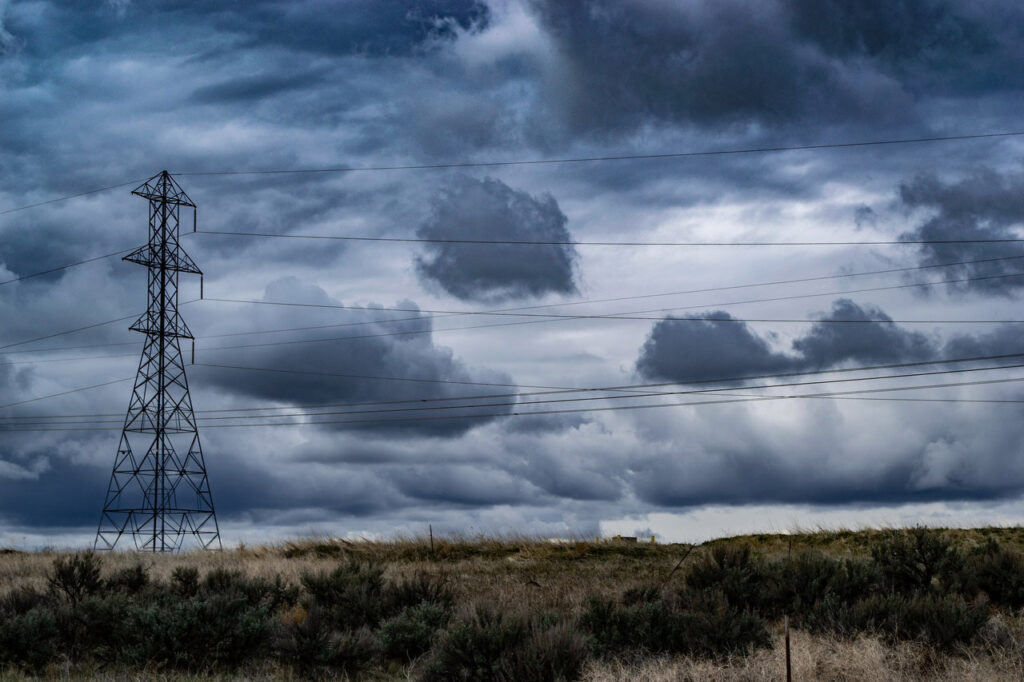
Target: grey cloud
column 829, row 344
column 462, row 485
column 760, row 473
column 388, row 28
column 378, row 28
column 899, row 32
column 491, row 210
column 727, row 63
column 677, row 349
column 544, row 423
column 985, row 205
column 681, row 350
column 380, row 349
column 256, row 87
column 1003, row 340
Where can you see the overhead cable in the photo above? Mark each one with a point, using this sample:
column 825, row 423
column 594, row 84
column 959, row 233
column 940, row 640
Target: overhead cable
column 505, row 242
column 621, row 157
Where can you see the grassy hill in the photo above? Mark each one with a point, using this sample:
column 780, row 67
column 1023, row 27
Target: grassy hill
column 871, row 604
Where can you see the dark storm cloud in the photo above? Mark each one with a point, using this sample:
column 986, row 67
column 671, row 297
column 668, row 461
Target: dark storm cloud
column 544, row 423
column 489, row 209
column 914, row 32
column 680, row 350
column 373, row 27
column 379, row 349
column 1003, row 340
column 256, row 87
column 947, row 467
column 832, row 343
column 676, row 348
column 985, row 205
column 68, row 495
column 716, row 64
column 461, row 485
column 370, row 27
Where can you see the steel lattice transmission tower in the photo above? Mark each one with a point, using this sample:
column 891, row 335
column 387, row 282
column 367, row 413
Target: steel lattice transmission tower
column 159, row 492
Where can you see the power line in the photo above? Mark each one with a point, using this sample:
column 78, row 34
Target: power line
column 616, row 408
column 544, row 390
column 623, row 157
column 79, row 329
column 484, row 164
column 70, row 196
column 633, row 396
column 68, row 331
column 549, row 320
column 715, row 392
column 419, row 240
column 73, row 390
column 549, row 305
column 65, row 267
column 611, row 316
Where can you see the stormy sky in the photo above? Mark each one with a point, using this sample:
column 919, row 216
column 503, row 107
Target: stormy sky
column 432, row 413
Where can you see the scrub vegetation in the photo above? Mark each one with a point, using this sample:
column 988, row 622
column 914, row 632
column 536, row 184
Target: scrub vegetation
column 874, row 604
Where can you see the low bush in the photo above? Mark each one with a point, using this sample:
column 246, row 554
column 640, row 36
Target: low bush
column 702, row 623
column 185, row 581
column 555, row 651
column 412, row 632
column 941, row 621
column 996, row 571
column 21, row 600
column 494, row 647
column 76, row 576
column 350, row 596
column 29, row 640
column 93, row 627
column 194, row 634
column 746, row 581
column 130, row 580
column 416, row 590
column 916, row 560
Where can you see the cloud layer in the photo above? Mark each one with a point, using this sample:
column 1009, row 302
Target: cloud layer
column 490, row 210
column 96, row 94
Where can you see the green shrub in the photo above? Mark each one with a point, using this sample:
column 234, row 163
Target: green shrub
column 93, row 627
column 76, row 576
column 812, row 586
column 29, row 639
column 221, row 630
column 699, row 623
column 476, row 650
column 745, row 581
column 414, row 591
column 314, row 648
column 996, row 571
column 255, row 591
column 493, row 647
column 21, row 600
column 916, row 560
column 350, row 596
column 131, row 580
column 412, row 632
column 185, row 581
column 941, row 621
column 550, row 652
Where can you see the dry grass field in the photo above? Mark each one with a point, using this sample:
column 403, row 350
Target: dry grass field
column 865, row 605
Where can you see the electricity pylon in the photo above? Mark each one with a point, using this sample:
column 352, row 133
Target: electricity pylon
column 159, row 492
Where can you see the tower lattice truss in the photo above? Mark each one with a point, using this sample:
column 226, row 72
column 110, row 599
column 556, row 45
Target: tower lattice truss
column 159, row 493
